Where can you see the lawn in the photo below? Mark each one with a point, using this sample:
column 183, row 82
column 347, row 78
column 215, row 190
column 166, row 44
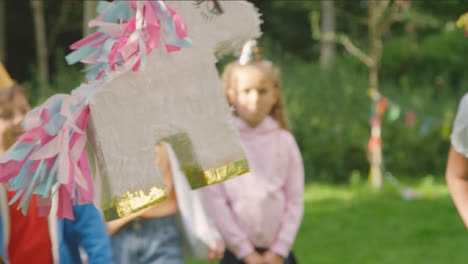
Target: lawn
column 353, row 224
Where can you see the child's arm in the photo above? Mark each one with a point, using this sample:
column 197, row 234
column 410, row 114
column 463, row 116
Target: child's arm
column 294, row 192
column 216, row 204
column 457, row 163
column 90, row 233
column 457, row 181
column 114, row 225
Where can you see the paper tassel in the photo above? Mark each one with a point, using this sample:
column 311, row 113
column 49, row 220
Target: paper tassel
column 51, row 152
column 128, row 30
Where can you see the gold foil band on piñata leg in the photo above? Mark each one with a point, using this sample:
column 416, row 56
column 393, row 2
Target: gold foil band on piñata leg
column 132, row 202
column 196, row 175
column 198, row 178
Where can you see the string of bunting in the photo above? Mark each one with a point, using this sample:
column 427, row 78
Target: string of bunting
column 382, row 103
column 394, row 111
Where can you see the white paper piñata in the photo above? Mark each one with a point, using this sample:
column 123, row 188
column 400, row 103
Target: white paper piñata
column 152, row 78
column 178, row 98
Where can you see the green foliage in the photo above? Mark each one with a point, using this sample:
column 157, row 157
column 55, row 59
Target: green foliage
column 433, row 60
column 64, row 79
column 329, row 113
column 279, row 17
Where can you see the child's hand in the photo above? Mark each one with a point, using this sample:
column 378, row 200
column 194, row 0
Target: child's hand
column 218, row 252
column 270, row 257
column 254, row 258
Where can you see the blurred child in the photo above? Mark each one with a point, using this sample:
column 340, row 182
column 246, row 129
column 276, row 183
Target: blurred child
column 153, row 235
column 259, row 213
column 32, row 239
column 457, row 163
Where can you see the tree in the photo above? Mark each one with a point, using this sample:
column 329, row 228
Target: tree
column 89, row 12
column 327, row 50
column 2, row 31
column 41, row 46
column 381, row 14
column 61, row 21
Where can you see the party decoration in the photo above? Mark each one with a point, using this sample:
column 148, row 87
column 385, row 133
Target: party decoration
column 151, row 78
column 410, row 118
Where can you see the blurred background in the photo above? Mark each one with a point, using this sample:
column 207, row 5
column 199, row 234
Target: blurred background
column 335, row 56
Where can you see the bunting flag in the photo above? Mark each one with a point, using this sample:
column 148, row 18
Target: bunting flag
column 427, row 123
column 410, row 118
column 381, row 106
column 393, row 113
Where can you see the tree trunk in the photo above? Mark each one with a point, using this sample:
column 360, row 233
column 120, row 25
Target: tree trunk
column 410, row 28
column 89, row 12
column 59, row 24
column 375, row 10
column 327, row 50
column 41, row 46
column 2, row 31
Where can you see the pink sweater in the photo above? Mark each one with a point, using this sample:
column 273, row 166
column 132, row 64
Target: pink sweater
column 262, row 208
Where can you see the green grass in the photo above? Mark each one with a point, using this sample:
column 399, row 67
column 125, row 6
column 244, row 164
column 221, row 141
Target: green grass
column 354, row 224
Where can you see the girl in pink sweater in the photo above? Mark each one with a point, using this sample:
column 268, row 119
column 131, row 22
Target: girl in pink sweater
column 258, row 214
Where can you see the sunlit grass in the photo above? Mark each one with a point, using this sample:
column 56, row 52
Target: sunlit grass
column 355, row 224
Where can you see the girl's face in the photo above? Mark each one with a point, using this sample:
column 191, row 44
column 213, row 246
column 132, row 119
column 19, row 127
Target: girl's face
column 255, row 95
column 11, row 115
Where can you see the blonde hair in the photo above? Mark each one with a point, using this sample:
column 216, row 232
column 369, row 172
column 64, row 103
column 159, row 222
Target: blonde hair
column 229, row 81
column 8, row 93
